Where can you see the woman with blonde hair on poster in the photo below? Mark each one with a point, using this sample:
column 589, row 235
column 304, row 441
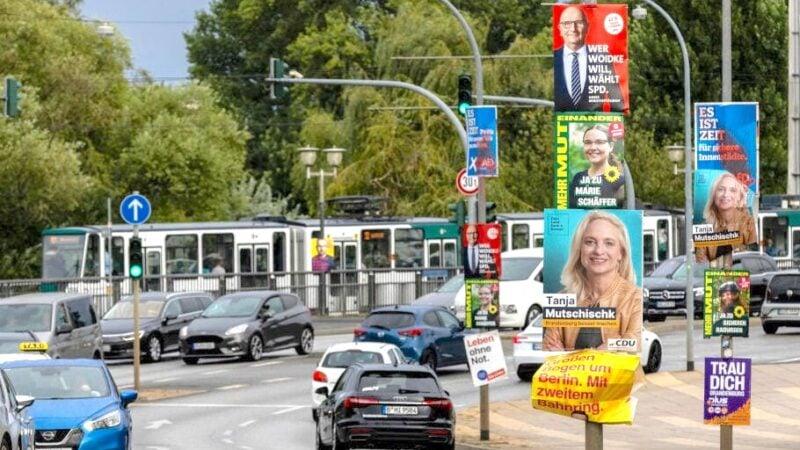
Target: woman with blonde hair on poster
column 726, row 210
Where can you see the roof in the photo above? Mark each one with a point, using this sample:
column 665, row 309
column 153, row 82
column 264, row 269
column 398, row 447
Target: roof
column 404, row 308
column 371, row 346
column 394, row 368
column 42, row 297
column 161, row 295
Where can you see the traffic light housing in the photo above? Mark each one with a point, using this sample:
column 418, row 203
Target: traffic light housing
column 491, row 213
column 11, row 97
column 464, row 93
column 135, row 266
column 277, row 69
column 459, row 209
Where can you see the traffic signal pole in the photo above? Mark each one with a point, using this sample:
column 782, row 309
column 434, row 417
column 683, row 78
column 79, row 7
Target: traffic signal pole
column 137, row 346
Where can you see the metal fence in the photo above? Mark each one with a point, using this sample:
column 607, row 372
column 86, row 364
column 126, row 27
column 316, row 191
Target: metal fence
column 332, row 293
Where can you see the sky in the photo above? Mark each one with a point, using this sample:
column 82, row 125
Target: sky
column 154, row 30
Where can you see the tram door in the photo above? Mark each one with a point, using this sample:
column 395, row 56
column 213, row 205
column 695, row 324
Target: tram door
column 254, row 266
column 344, row 277
column 153, row 273
column 441, row 253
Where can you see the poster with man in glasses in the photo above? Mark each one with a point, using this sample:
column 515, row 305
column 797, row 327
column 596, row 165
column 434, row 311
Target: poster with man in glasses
column 590, row 57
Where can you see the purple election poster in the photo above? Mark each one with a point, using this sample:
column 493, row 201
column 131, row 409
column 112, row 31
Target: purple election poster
column 727, row 391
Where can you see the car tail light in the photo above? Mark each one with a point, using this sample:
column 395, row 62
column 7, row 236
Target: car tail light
column 413, row 332
column 438, row 432
column 359, row 332
column 439, row 403
column 359, row 402
column 320, row 377
column 517, row 339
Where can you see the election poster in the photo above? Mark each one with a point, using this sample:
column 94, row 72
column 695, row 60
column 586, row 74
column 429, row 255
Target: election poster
column 726, row 303
column 483, row 303
column 482, row 149
column 726, row 178
column 727, row 391
column 480, row 250
column 597, row 256
column 589, row 155
column 487, row 363
column 590, row 58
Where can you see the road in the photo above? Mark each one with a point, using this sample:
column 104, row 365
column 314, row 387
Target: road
column 227, row 404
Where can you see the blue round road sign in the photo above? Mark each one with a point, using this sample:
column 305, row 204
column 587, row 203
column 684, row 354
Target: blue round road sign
column 135, row 209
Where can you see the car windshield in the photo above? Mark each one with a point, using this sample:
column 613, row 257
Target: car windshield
column 785, row 288
column 389, row 320
column 233, row 307
column 675, row 268
column 398, row 382
column 59, row 382
column 515, row 269
column 452, row 285
column 345, row 359
column 124, row 310
column 12, row 345
column 21, row 318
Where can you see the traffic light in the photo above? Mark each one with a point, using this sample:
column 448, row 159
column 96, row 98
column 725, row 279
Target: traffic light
column 11, row 97
column 491, row 214
column 464, row 93
column 459, row 209
column 135, row 267
column 277, row 69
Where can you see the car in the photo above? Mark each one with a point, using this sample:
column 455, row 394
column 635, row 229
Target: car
column 77, row 404
column 781, row 306
column 429, row 335
column 161, row 316
column 528, row 354
column 66, row 322
column 664, row 290
column 339, row 357
column 16, row 427
column 247, row 324
column 386, row 406
column 521, row 288
column 445, row 295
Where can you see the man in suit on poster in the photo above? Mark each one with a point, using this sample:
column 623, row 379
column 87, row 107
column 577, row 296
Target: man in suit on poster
column 573, row 64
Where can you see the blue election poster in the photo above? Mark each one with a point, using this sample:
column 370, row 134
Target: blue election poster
column 482, row 158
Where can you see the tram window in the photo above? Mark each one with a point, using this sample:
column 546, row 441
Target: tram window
column 278, row 253
column 663, row 239
column 538, row 241
column 262, row 260
column 775, row 228
column 375, row 249
column 217, row 247
column 648, row 253
column 796, row 243
column 117, row 256
column 181, row 253
column 434, row 254
column 92, row 266
column 520, row 236
column 153, row 266
column 450, row 255
column 409, row 248
column 245, row 260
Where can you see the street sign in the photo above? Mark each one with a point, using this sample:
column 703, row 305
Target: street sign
column 466, row 184
column 135, row 209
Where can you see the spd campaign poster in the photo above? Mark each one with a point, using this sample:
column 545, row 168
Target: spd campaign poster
column 726, row 178
column 482, row 157
column 590, row 58
column 727, row 392
column 726, row 303
column 480, row 250
column 589, row 153
column 579, row 245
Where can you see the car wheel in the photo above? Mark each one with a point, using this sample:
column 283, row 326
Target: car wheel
column 769, row 328
column 533, row 311
column 320, row 445
column 306, row 342
column 6, row 444
column 255, row 348
column 153, row 349
column 190, row 361
column 653, row 358
column 428, row 359
column 656, row 318
column 315, row 414
column 525, row 374
column 337, row 444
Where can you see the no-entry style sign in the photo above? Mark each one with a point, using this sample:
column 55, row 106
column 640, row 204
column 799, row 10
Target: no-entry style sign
column 466, row 184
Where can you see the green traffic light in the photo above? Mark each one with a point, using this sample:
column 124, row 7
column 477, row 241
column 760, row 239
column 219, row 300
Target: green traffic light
column 462, row 108
column 136, row 271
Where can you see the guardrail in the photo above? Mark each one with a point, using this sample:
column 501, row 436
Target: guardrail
column 331, row 293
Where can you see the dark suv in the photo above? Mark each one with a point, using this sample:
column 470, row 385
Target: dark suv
column 664, row 290
column 782, row 302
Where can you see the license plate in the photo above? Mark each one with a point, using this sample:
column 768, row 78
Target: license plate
column 203, row 346
column 789, row 311
column 106, row 348
column 401, row 410
column 669, row 304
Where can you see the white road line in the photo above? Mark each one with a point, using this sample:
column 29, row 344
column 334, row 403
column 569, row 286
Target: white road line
column 247, row 424
column 231, row 386
column 276, row 380
column 228, row 441
column 164, row 380
column 268, row 363
column 227, row 432
column 790, row 360
column 287, row 410
column 214, row 372
column 213, row 405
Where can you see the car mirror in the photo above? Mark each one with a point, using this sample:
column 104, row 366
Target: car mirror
column 63, row 328
column 171, row 316
column 322, row 391
column 23, row 401
column 128, row 396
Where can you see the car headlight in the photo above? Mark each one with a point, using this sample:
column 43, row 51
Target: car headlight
column 238, row 329
column 112, row 419
column 184, row 332
column 698, row 292
column 129, row 337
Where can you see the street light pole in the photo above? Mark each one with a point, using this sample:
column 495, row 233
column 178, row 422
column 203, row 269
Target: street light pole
column 687, row 185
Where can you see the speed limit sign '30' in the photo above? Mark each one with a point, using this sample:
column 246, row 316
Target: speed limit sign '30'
column 467, row 185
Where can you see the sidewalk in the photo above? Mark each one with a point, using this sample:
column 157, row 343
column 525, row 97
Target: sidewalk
column 669, row 416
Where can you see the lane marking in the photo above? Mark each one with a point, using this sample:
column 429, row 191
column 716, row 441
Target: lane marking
column 268, row 363
column 231, row 386
column 214, row 372
column 287, row 410
column 276, row 380
column 227, row 432
column 164, row 380
column 246, row 424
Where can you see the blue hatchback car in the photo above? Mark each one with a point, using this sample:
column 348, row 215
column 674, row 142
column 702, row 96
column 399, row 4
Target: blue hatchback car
column 77, row 404
column 427, row 334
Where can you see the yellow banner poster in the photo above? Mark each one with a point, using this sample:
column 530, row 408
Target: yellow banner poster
column 589, row 385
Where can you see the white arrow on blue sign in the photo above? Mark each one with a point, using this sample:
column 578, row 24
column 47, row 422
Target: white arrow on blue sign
column 135, row 209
